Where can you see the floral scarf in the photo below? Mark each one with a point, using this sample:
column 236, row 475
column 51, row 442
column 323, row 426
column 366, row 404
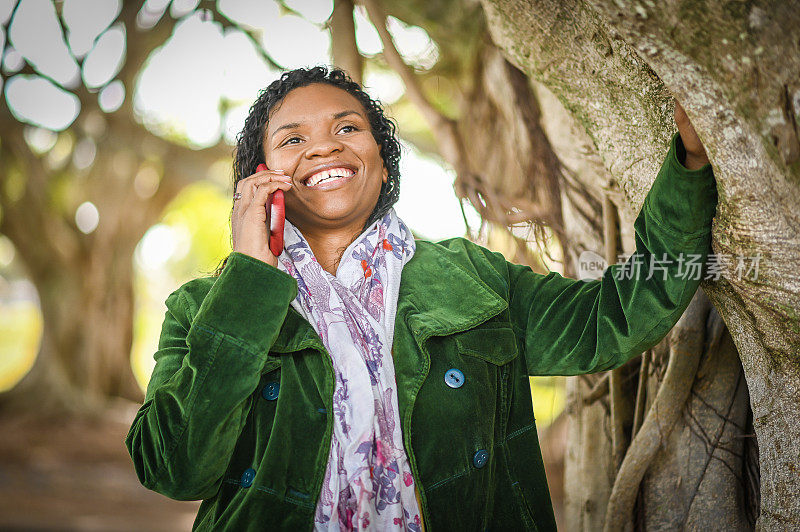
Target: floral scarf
column 368, row 483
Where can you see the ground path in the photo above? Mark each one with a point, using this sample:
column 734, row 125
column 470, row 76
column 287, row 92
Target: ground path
column 78, row 476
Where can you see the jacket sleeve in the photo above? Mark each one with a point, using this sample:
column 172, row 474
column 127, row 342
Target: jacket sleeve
column 207, row 366
column 572, row 326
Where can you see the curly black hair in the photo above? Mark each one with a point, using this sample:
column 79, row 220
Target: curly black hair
column 249, row 151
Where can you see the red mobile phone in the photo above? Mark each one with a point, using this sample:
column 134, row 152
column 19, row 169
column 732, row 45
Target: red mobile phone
column 276, row 217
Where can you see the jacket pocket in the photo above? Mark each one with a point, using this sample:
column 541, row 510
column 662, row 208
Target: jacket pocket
column 497, row 345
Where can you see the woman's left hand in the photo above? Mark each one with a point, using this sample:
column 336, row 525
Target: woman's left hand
column 695, row 151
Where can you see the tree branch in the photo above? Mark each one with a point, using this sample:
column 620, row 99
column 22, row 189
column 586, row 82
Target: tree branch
column 638, row 413
column 492, row 202
column 139, row 44
column 444, row 129
column 227, row 23
column 343, row 40
column 598, row 390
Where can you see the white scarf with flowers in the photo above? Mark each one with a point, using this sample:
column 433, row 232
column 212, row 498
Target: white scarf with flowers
column 368, row 483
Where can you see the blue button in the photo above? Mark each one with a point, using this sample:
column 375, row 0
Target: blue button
column 454, row 378
column 270, row 391
column 247, row 477
column 480, row 458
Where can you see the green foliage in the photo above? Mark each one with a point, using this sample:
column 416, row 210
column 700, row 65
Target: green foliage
column 201, row 211
column 549, row 399
column 20, row 333
column 14, row 184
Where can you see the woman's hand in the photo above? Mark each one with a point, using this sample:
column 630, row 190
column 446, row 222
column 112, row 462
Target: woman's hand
column 249, row 219
column 695, row 151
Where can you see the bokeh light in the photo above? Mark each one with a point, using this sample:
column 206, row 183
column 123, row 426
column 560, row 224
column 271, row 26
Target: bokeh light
column 87, row 217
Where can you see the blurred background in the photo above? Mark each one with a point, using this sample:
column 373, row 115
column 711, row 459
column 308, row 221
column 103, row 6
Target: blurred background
column 117, row 125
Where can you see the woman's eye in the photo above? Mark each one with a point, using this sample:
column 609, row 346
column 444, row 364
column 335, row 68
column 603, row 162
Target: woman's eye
column 289, row 140
column 354, row 128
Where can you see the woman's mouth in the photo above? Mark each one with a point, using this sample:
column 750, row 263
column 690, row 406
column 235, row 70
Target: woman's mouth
column 331, row 178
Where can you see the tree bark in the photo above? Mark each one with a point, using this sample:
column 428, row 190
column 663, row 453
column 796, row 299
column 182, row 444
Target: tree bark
column 698, row 477
column 589, row 469
column 734, row 68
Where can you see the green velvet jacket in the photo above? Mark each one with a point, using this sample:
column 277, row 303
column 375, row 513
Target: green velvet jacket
column 238, row 410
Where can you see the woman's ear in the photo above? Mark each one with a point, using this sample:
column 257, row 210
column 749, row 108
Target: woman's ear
column 385, row 175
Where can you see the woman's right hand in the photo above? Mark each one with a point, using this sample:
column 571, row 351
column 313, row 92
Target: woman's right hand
column 249, row 219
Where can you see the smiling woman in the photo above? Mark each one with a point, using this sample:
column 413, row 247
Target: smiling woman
column 313, row 120
column 315, row 390
column 317, row 132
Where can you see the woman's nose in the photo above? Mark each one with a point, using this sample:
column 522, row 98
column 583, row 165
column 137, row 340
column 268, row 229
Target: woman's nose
column 323, row 147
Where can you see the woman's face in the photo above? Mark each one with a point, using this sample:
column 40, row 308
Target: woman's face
column 321, row 127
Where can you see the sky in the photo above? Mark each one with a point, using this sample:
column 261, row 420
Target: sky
column 184, row 82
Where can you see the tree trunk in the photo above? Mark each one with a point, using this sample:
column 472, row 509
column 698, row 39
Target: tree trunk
column 734, row 67
column 84, row 358
column 588, row 462
column 85, row 281
column 698, row 477
column 590, row 471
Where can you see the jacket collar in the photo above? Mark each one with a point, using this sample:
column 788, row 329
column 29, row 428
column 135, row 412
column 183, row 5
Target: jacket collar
column 438, row 296
column 441, row 296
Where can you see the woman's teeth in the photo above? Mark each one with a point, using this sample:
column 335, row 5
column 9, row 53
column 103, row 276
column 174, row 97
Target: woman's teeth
column 328, row 175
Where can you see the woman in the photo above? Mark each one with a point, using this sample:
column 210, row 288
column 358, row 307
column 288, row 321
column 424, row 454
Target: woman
column 317, row 390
